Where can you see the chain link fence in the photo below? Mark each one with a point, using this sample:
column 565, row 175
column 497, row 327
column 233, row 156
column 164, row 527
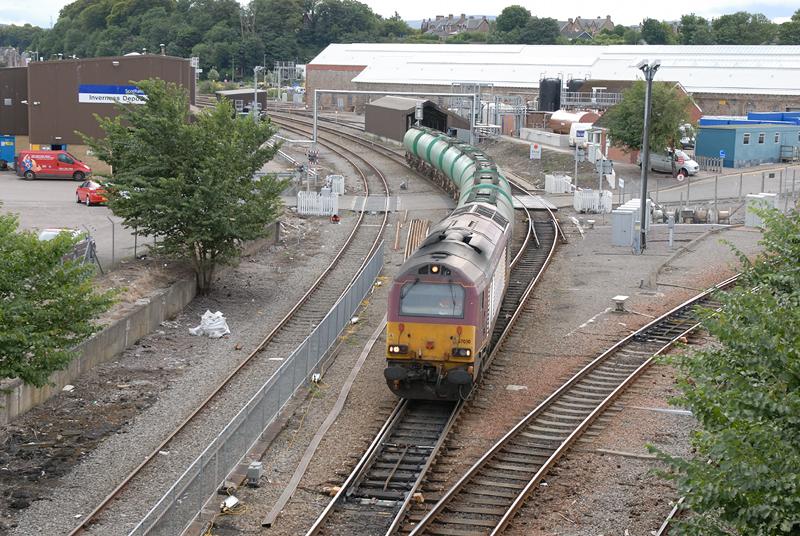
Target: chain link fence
column 180, row 504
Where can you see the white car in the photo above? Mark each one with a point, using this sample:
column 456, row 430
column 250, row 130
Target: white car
column 84, row 249
column 663, row 162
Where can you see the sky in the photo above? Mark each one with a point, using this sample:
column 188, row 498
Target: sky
column 44, row 12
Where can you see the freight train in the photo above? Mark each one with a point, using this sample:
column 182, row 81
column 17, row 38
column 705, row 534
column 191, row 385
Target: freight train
column 444, row 302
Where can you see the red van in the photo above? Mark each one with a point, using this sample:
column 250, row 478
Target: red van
column 57, row 164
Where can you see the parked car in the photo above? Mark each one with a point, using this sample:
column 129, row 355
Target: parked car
column 91, row 193
column 663, row 162
column 84, row 249
column 54, row 164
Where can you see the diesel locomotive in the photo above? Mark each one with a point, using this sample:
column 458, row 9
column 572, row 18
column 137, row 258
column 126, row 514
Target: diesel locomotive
column 444, row 302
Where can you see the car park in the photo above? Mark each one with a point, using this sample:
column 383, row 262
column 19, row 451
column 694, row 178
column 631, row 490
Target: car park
column 51, row 164
column 662, row 162
column 91, row 193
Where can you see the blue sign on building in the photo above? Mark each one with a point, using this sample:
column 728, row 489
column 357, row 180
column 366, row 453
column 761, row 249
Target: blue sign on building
column 104, row 94
column 721, row 153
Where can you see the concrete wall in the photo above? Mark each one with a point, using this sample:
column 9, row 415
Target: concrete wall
column 16, row 398
column 543, row 137
column 331, row 77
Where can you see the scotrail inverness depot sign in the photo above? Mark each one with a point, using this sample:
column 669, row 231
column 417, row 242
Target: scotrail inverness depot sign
column 101, row 94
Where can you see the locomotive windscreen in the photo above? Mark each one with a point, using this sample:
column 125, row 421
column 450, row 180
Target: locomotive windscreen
column 444, row 300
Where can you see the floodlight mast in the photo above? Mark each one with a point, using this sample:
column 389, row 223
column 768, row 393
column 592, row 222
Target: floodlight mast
column 649, row 70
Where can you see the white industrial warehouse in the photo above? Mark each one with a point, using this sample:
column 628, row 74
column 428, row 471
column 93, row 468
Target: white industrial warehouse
column 723, row 80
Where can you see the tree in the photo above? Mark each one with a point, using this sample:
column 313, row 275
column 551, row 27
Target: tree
column 36, row 289
column 656, row 33
column 695, row 30
column 512, row 18
column 789, row 32
column 189, row 183
column 745, row 393
column 538, row 31
column 213, row 75
column 669, row 110
column 394, row 27
column 742, row 28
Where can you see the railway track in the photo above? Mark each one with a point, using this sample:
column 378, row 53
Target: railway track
column 232, row 393
column 375, row 497
column 486, row 498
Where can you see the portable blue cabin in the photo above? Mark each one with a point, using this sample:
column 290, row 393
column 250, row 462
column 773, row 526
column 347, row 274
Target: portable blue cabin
column 7, row 150
column 747, row 144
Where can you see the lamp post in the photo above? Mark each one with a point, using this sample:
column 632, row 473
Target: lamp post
column 649, row 70
column 256, row 69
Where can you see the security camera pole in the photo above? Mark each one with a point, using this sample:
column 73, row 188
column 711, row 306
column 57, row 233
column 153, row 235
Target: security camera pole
column 649, row 70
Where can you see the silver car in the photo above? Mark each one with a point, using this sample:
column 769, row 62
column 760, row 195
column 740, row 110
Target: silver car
column 663, row 162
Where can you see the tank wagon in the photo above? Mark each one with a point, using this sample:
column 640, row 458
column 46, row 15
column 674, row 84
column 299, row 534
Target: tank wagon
column 444, row 302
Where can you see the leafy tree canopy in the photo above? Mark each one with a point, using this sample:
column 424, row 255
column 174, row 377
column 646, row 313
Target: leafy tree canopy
column 669, row 110
column 538, row 31
column 657, row 33
column 695, row 30
column 37, row 289
column 789, row 32
column 190, row 183
column 745, row 393
column 742, row 28
column 512, row 18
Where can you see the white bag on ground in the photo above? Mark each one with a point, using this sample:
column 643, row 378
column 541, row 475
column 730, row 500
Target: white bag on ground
column 212, row 325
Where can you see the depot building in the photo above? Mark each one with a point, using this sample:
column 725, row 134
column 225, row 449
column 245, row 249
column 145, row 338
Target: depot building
column 47, row 104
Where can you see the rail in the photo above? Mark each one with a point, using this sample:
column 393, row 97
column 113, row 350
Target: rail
column 531, row 438
column 376, row 245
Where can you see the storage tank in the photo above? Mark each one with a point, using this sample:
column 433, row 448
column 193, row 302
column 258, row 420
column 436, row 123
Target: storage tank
column 549, row 94
column 575, row 84
column 561, row 120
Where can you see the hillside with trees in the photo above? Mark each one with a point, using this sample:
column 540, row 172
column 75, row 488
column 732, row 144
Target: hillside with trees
column 233, row 38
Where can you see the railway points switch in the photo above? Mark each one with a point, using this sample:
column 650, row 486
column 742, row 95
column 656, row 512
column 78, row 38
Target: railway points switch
column 254, row 472
column 619, row 301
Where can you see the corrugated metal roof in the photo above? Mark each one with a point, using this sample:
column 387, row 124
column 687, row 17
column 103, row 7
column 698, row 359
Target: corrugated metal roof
column 243, row 91
column 770, row 69
column 396, row 103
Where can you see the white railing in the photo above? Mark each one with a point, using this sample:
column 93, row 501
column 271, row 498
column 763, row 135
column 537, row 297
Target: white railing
column 317, row 204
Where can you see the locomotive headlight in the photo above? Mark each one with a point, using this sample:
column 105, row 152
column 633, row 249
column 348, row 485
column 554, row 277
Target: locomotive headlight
column 434, row 269
column 462, row 352
column 398, row 349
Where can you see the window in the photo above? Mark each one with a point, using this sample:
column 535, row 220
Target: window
column 761, row 137
column 443, row 300
column 65, row 159
column 746, row 138
column 777, row 137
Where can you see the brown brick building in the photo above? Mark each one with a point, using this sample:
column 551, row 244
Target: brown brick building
column 46, row 104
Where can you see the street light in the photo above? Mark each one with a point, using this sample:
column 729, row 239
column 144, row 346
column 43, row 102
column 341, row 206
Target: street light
column 256, row 70
column 649, row 70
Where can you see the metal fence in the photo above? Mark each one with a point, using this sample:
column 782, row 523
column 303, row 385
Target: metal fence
column 317, row 204
column 732, row 188
column 180, row 504
column 708, row 163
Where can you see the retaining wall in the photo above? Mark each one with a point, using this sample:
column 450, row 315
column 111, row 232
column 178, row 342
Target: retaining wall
column 543, row 137
column 16, row 397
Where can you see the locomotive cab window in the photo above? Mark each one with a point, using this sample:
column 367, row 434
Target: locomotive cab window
column 444, row 300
